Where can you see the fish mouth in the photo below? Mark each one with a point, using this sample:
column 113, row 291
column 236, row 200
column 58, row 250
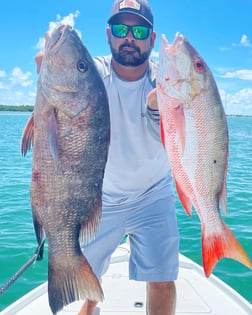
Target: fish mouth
column 57, row 35
column 56, row 39
column 174, row 47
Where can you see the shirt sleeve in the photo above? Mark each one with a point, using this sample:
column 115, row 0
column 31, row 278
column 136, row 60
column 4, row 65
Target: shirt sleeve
column 153, row 122
column 103, row 65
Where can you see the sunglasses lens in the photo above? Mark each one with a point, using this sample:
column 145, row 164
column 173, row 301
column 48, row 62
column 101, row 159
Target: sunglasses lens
column 138, row 31
column 119, row 30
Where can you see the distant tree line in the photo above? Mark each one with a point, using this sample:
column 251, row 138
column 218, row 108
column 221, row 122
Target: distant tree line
column 17, row 108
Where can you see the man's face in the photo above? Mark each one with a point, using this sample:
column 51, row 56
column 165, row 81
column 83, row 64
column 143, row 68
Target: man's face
column 129, row 51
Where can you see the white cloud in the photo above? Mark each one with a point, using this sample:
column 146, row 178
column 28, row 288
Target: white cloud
column 11, row 83
column 239, row 103
column 40, row 44
column 244, row 74
column 245, row 41
column 69, row 19
column 16, row 97
column 17, row 87
column 20, row 78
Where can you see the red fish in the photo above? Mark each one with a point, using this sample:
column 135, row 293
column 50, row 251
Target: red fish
column 194, row 132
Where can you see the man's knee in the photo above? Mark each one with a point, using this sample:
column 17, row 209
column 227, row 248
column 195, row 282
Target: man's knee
column 165, row 285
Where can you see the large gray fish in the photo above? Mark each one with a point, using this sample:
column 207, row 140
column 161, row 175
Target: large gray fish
column 70, row 133
column 194, row 132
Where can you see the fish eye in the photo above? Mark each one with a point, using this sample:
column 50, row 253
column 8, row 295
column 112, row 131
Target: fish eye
column 82, row 66
column 198, row 65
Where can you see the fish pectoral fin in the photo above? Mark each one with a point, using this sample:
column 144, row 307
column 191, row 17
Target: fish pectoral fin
column 27, row 137
column 51, row 126
column 215, row 247
column 89, row 227
column 179, row 120
column 40, row 235
column 71, row 278
column 40, row 251
column 185, row 201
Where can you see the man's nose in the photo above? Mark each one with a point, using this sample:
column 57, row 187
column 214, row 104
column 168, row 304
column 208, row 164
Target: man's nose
column 130, row 36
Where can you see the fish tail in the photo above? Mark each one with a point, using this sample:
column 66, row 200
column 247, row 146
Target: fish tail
column 215, row 247
column 68, row 282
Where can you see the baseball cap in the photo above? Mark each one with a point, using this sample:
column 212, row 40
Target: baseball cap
column 138, row 7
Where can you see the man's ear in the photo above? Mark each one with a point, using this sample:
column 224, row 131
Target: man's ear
column 153, row 38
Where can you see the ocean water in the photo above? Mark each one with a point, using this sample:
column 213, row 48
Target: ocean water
column 17, row 238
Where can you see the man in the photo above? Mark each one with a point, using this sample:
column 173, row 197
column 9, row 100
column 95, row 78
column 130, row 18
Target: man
column 138, row 198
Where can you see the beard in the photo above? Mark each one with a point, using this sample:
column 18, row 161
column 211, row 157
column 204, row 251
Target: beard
column 129, row 58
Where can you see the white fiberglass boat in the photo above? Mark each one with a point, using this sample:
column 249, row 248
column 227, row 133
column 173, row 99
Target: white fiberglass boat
column 196, row 294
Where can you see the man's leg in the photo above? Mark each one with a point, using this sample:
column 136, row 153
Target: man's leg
column 98, row 252
column 88, row 308
column 154, row 258
column 161, row 298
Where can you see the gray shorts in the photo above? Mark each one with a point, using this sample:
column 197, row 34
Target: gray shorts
column 153, row 234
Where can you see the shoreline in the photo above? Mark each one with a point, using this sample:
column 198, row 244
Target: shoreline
column 16, row 108
column 29, row 108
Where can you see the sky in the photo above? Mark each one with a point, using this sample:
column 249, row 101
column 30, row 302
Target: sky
column 220, row 30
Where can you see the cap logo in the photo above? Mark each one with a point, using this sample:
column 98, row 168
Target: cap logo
column 132, row 4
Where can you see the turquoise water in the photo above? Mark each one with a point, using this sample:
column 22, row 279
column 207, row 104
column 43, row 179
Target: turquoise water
column 17, row 238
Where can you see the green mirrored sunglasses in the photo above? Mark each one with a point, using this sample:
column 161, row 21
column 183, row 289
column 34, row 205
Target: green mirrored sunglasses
column 138, row 31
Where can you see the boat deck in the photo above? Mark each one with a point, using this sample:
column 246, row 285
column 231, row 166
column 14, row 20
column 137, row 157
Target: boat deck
column 195, row 294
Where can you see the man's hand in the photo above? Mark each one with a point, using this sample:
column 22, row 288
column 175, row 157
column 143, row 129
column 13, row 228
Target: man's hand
column 38, row 59
column 152, row 99
column 39, row 56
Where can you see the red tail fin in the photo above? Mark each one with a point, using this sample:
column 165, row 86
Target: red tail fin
column 215, row 247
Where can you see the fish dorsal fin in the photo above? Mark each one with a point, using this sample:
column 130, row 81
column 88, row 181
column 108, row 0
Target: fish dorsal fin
column 27, row 137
